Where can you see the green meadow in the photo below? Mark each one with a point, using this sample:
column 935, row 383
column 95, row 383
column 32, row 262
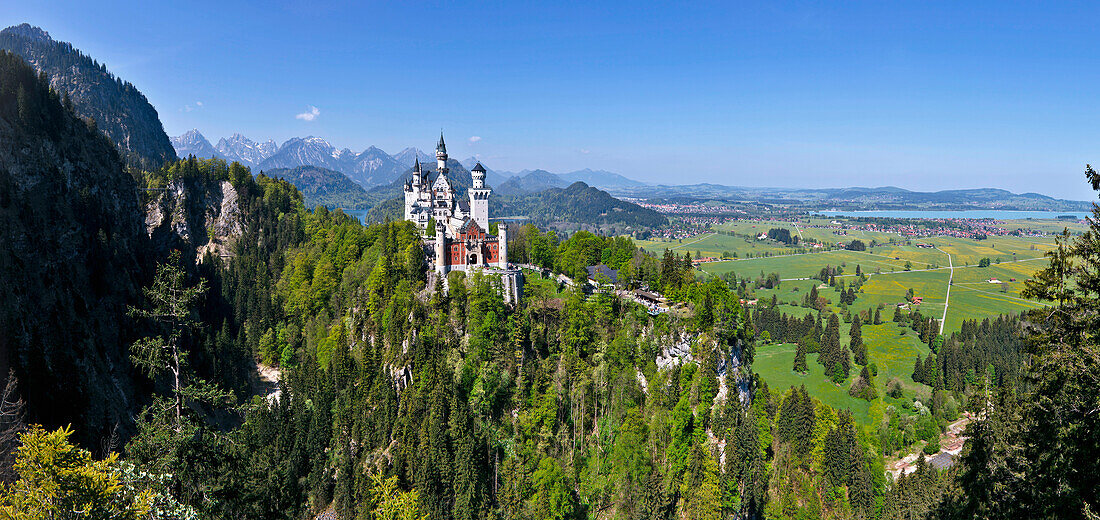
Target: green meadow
column 891, row 351
column 716, row 244
column 890, row 347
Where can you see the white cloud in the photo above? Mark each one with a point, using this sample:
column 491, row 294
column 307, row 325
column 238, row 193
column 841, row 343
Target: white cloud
column 586, row 152
column 309, row 115
column 475, row 139
column 189, row 108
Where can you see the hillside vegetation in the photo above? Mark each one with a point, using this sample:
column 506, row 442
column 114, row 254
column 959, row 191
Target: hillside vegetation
column 72, row 251
column 581, row 206
column 322, row 187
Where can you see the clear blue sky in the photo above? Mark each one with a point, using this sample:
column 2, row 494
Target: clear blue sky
column 920, row 95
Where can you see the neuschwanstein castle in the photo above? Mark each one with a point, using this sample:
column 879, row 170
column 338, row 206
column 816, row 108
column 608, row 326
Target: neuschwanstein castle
column 462, row 240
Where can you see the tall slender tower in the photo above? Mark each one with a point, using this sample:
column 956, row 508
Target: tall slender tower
column 441, row 258
column 413, row 190
column 502, row 246
column 479, row 197
column 441, row 155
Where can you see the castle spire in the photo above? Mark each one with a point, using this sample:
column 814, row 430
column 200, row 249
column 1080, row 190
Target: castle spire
column 441, row 155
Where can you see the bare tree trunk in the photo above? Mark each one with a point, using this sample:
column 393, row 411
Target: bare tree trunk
column 176, row 376
column 11, row 425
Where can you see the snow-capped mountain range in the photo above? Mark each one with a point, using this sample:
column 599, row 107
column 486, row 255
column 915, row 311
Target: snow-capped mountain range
column 245, row 150
column 369, row 168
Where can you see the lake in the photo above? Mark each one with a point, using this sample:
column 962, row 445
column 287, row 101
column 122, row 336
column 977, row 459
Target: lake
column 970, row 213
column 359, row 214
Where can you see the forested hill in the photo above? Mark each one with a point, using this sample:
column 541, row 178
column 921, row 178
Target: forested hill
column 324, row 187
column 72, row 247
column 577, row 206
column 120, row 111
column 581, row 205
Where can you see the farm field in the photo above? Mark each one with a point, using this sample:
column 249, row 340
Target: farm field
column 809, row 264
column 969, row 252
column 972, row 296
column 975, row 293
column 715, row 244
column 821, row 234
column 1046, row 225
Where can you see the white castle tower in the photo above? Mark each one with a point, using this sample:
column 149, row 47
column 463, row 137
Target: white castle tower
column 441, row 155
column 414, row 191
column 479, row 197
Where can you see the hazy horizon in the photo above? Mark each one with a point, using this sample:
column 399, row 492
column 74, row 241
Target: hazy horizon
column 801, row 96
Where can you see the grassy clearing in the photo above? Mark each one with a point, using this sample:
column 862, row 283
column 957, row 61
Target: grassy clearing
column 774, row 362
column 716, row 244
column 892, row 352
column 795, row 266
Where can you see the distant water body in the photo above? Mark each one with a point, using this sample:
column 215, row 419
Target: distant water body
column 970, row 213
column 359, row 214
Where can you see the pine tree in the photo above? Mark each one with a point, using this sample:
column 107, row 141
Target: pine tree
column 654, row 504
column 804, row 422
column 856, row 343
column 468, row 477
column 787, row 417
column 843, row 366
column 171, row 303
column 931, row 371
column 800, row 359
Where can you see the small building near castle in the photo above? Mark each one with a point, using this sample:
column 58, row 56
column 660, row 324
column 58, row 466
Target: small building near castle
column 460, row 240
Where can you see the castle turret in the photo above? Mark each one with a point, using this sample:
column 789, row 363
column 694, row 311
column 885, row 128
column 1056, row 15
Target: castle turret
column 502, row 245
column 479, row 197
column 478, row 175
column 417, row 172
column 441, row 155
column 410, row 199
column 440, row 248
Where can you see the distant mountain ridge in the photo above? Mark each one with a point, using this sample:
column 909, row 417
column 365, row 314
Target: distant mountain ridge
column 408, row 156
column 322, row 187
column 532, row 182
column 861, row 198
column 370, row 168
column 600, row 178
column 381, row 173
column 374, row 167
column 119, row 110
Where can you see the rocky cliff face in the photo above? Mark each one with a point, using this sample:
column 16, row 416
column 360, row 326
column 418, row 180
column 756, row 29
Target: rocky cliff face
column 195, row 220
column 71, row 255
column 119, row 110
